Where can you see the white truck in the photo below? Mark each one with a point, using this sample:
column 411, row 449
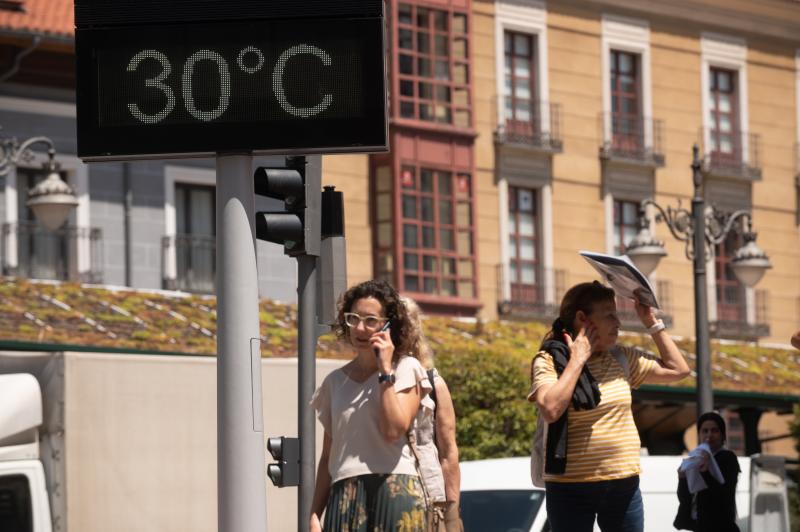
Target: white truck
column 99, row 442
column 498, row 496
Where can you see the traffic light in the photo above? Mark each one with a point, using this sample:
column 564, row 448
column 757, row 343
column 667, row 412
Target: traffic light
column 298, row 186
column 287, row 452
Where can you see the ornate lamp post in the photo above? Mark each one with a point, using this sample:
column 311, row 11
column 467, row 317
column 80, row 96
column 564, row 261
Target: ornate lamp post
column 52, row 199
column 700, row 229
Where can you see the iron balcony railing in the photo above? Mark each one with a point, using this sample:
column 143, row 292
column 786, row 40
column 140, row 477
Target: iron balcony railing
column 631, row 138
column 734, row 154
column 533, row 123
column 192, row 259
column 66, row 254
column 732, row 322
column 539, row 300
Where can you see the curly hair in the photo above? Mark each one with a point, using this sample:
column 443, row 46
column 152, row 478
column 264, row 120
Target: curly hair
column 419, row 347
column 400, row 326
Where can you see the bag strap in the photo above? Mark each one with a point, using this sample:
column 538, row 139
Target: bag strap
column 412, row 443
column 433, row 390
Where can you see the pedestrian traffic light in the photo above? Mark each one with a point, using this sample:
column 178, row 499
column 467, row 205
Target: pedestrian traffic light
column 297, row 184
column 287, row 452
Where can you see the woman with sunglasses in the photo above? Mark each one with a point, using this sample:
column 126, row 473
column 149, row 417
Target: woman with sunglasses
column 367, row 477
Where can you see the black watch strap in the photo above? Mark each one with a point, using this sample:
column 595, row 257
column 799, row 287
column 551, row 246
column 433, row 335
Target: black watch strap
column 386, row 377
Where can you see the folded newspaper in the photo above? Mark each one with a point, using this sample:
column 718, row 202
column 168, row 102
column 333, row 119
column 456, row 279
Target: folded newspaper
column 623, row 276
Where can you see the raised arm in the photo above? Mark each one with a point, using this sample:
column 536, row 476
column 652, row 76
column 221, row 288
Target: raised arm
column 397, row 408
column 553, row 399
column 672, row 366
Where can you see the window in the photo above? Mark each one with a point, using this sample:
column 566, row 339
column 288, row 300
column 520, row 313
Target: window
column 16, row 513
column 626, row 224
column 522, row 112
column 195, row 237
column 730, row 292
column 433, row 65
column 522, row 245
column 435, row 233
column 724, row 122
column 626, row 116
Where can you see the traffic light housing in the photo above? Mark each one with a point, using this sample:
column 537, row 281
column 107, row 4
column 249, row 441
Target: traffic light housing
column 287, row 452
column 297, row 184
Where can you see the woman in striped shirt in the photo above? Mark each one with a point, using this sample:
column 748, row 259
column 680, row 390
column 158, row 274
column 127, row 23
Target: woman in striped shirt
column 581, row 383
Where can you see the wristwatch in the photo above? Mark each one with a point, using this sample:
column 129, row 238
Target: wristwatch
column 386, row 377
column 657, row 326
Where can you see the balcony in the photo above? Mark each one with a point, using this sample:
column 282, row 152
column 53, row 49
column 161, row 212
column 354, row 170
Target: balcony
column 189, row 263
column 539, row 301
column 531, row 124
column 732, row 322
column 631, row 139
column 67, row 254
column 732, row 155
column 626, row 308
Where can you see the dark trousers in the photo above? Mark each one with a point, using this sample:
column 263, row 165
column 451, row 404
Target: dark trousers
column 616, row 504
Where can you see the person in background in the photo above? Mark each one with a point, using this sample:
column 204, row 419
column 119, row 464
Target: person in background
column 581, row 383
column 711, row 508
column 436, row 435
column 367, row 479
column 796, row 340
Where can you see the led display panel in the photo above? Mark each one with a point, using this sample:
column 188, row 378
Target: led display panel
column 261, row 86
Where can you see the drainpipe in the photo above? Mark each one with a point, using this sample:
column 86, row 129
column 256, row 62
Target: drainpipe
column 19, row 57
column 127, row 206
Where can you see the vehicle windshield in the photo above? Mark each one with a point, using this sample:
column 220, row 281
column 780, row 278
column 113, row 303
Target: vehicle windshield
column 500, row 510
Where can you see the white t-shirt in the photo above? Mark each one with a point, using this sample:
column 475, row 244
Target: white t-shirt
column 349, row 412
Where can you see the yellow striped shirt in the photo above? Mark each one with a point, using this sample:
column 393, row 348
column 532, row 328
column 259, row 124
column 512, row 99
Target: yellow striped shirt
column 602, row 443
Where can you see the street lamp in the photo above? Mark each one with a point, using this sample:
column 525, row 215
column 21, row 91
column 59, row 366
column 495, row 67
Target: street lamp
column 52, row 199
column 700, row 229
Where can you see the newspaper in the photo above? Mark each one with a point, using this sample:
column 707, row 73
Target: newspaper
column 620, row 273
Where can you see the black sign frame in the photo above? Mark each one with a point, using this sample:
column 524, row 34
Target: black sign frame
column 326, row 132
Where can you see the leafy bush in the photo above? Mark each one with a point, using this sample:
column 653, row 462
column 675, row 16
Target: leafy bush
column 494, row 419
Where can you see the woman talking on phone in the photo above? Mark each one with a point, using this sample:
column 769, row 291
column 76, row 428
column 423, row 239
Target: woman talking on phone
column 367, row 477
column 581, row 383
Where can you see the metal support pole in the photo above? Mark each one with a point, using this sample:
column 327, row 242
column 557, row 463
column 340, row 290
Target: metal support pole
column 241, row 479
column 306, row 382
column 705, row 398
column 127, row 202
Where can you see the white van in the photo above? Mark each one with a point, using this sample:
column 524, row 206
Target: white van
column 497, row 495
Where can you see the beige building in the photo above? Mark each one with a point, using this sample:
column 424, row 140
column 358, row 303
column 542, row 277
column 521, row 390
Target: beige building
column 573, row 112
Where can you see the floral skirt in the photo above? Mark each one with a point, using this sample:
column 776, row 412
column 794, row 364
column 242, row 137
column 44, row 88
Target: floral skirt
column 376, row 503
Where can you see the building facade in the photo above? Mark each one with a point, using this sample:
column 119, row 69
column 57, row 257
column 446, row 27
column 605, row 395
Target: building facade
column 521, row 132
column 571, row 114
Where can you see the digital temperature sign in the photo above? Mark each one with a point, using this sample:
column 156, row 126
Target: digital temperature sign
column 262, row 86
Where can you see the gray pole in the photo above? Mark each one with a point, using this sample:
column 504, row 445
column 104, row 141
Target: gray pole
column 306, row 382
column 705, row 399
column 241, row 488
column 127, row 207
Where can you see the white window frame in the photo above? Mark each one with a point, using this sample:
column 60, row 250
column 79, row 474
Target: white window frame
column 728, row 52
column 627, row 35
column 174, row 174
column 531, row 19
column 724, row 51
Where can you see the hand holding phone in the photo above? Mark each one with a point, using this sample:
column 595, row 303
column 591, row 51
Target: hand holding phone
column 383, row 329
